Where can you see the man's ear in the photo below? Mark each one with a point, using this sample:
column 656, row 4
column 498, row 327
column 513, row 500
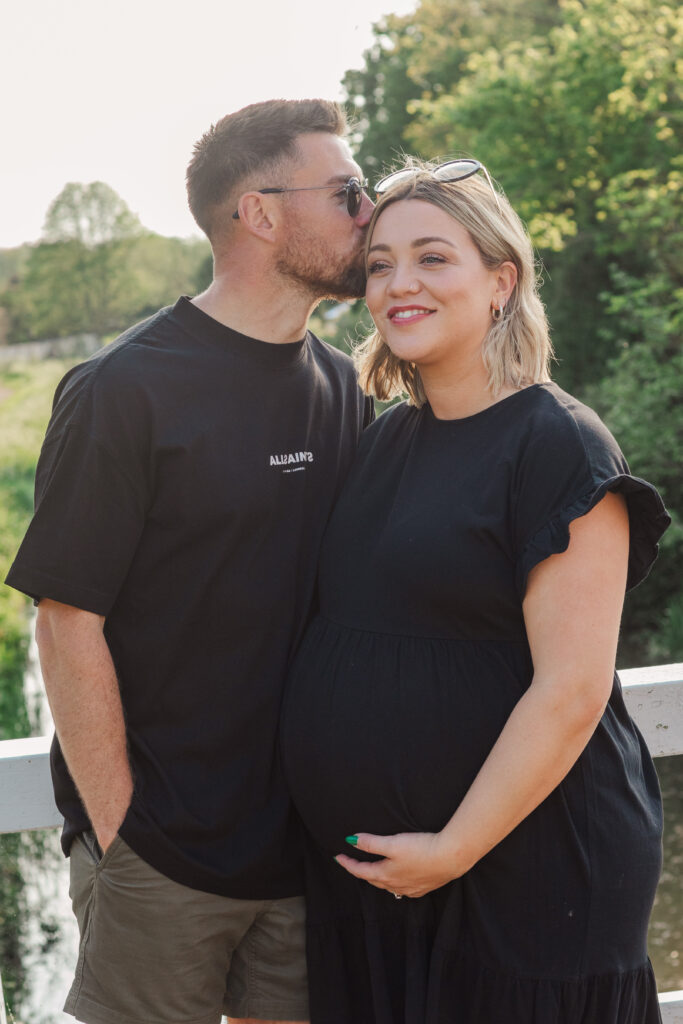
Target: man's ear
column 256, row 214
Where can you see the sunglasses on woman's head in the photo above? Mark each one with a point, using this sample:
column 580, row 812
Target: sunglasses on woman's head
column 452, row 170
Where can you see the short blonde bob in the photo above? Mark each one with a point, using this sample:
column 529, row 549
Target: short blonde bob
column 516, row 349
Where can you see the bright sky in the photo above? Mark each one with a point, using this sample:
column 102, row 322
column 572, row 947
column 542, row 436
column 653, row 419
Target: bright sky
column 119, row 91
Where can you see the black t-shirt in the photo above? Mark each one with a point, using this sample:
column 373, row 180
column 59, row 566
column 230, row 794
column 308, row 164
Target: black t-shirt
column 182, row 491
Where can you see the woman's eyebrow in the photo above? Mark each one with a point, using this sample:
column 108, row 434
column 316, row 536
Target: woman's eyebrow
column 379, row 246
column 432, row 238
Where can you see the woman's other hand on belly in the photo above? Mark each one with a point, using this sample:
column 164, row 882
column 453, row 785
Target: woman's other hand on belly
column 413, row 864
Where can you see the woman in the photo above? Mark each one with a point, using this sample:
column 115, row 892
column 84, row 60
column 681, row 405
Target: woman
column 453, row 711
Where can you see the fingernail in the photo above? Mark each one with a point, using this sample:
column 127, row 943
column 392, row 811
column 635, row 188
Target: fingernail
column 352, row 840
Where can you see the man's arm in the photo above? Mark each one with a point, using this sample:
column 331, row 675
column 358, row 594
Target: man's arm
column 84, row 697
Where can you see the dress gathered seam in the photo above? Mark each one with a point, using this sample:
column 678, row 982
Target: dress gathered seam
column 422, row 636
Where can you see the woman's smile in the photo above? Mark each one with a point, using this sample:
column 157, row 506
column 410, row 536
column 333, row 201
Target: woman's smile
column 408, row 314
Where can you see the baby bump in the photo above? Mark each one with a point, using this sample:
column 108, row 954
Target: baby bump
column 385, row 734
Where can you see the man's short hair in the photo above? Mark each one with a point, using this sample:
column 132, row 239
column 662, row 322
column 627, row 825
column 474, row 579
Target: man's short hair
column 249, row 140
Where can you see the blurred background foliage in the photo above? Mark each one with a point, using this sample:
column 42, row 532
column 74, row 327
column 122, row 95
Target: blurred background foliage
column 575, row 106
column 95, row 269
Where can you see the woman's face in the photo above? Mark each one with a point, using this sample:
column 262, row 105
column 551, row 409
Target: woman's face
column 428, row 291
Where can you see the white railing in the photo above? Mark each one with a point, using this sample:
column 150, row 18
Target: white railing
column 79, row 345
column 653, row 696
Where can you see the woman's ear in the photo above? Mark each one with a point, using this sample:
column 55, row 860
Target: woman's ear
column 505, row 280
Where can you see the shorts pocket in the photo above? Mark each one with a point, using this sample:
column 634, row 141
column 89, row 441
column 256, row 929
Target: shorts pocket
column 94, row 850
column 109, row 852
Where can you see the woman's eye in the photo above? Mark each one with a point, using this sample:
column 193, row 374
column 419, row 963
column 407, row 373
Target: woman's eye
column 376, row 266
column 432, row 257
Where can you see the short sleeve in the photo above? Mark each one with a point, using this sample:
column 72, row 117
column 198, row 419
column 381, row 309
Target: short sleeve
column 570, row 462
column 91, row 498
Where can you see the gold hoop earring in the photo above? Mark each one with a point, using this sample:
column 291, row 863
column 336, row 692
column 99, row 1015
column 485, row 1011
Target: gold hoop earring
column 497, row 312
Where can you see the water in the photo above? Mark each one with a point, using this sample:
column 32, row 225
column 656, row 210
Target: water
column 50, row 933
column 666, row 925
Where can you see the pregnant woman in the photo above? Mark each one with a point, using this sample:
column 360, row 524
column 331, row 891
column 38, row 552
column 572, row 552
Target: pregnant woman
column 454, row 721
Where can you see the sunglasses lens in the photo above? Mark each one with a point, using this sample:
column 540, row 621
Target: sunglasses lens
column 454, row 170
column 392, row 179
column 354, row 197
column 451, row 171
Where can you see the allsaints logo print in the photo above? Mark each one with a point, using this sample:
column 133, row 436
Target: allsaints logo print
column 289, row 460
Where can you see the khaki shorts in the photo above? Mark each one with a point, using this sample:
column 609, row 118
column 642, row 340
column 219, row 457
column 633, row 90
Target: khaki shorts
column 153, row 951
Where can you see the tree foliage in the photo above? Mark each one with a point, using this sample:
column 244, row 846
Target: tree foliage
column 96, row 269
column 420, row 57
column 576, row 108
column 557, row 119
column 90, row 215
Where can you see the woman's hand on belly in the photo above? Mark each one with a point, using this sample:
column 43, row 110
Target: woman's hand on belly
column 571, row 609
column 414, row 863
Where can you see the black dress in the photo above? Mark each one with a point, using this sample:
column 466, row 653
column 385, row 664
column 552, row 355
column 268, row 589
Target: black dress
column 401, row 687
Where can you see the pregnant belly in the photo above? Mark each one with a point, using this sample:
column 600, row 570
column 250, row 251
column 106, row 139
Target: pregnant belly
column 385, row 734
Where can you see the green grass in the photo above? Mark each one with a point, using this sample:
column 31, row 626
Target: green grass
column 26, row 391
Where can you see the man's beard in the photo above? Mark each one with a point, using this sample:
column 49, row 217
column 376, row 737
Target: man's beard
column 311, row 265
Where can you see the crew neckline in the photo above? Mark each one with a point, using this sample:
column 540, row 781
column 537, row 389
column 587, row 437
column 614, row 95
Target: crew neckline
column 489, row 410
column 208, row 330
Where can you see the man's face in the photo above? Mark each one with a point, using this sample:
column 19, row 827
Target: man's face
column 322, row 245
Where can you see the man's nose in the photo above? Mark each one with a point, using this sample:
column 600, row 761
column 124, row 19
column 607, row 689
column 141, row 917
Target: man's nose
column 365, row 212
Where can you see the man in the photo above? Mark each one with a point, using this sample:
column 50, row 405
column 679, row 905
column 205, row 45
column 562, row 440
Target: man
column 181, row 495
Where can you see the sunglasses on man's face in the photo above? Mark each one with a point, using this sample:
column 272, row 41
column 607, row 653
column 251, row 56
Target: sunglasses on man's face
column 452, row 170
column 353, row 188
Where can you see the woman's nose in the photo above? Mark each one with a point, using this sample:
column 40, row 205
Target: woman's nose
column 403, row 281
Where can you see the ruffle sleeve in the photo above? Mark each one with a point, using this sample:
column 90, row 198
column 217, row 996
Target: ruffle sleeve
column 648, row 519
column 570, row 462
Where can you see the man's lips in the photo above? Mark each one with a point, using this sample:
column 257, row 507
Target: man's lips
column 407, row 314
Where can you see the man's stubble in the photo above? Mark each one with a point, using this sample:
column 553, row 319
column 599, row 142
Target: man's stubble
column 310, row 263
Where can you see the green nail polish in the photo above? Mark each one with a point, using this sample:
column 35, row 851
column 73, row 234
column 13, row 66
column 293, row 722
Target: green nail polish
column 352, row 840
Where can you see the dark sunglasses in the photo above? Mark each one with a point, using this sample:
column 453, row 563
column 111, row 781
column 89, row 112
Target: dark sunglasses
column 353, row 188
column 452, row 170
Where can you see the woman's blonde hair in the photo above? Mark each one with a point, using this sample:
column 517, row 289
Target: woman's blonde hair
column 517, row 349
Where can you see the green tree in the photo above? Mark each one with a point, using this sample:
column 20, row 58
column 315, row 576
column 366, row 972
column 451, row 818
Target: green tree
column 77, row 279
column 91, row 215
column 641, row 396
column 557, row 118
column 96, row 269
column 420, row 57
column 12, row 263
column 164, row 268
